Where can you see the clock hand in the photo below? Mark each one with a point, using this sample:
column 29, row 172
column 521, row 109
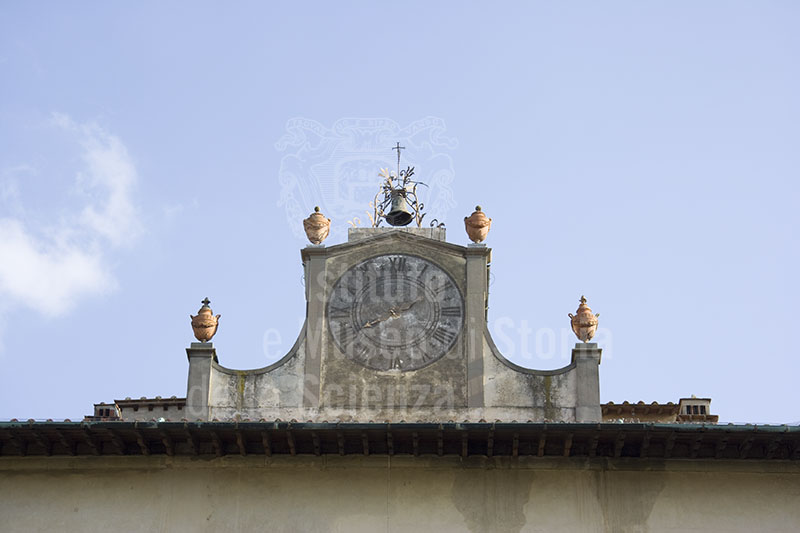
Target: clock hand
column 371, row 323
column 387, row 316
column 406, row 307
column 394, row 312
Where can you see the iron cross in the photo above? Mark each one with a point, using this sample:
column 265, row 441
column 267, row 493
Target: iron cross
column 398, row 148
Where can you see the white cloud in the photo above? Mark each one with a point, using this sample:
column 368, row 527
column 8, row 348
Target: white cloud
column 9, row 188
column 49, row 269
column 109, row 169
column 47, row 276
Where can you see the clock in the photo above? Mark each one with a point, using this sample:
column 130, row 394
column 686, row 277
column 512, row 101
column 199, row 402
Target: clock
column 395, row 312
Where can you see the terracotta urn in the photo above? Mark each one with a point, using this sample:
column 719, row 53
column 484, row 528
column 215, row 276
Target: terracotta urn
column 317, row 227
column 205, row 323
column 477, row 225
column 584, row 323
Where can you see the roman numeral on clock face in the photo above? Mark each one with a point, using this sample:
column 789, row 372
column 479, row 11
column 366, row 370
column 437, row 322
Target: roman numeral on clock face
column 346, row 333
column 395, row 311
column 453, row 310
column 444, row 336
column 398, row 264
column 425, row 356
column 366, row 268
column 360, row 351
column 438, row 290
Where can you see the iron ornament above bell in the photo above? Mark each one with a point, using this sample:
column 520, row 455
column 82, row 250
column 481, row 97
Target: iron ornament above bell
column 204, row 324
column 584, row 323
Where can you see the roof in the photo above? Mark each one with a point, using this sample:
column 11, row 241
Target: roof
column 641, row 441
column 158, row 400
column 640, row 407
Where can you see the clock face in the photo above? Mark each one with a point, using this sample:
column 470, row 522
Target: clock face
column 395, row 311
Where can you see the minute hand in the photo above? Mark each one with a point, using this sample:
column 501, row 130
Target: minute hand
column 405, row 307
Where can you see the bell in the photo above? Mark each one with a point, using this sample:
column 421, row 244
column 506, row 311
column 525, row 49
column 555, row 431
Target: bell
column 399, row 215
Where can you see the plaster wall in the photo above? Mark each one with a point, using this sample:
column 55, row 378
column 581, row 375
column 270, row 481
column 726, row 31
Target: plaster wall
column 374, row 494
column 546, row 395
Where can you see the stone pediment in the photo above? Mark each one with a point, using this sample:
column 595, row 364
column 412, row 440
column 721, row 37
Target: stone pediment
column 369, row 351
column 382, row 238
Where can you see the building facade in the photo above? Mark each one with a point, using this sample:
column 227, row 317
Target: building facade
column 394, row 411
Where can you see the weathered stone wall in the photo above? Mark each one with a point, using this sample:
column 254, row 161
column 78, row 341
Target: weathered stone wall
column 275, row 391
column 545, row 395
column 374, row 494
column 511, row 393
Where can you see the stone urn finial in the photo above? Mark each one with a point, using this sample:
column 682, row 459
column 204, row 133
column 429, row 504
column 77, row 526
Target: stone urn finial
column 477, row 225
column 317, row 227
column 584, row 323
column 205, row 323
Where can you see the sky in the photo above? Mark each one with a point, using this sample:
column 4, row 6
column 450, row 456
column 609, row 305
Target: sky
column 644, row 155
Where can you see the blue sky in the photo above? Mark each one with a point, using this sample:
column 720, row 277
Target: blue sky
column 642, row 154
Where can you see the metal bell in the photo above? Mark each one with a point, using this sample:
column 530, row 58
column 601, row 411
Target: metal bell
column 399, row 215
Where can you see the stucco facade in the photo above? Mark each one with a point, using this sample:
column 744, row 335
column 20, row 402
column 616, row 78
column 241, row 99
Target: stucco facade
column 372, row 494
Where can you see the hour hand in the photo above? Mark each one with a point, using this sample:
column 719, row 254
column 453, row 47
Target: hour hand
column 374, row 321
